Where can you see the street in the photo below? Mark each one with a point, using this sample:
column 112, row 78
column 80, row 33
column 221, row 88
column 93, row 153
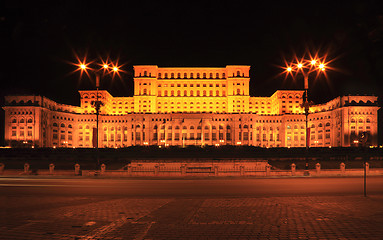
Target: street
column 213, row 208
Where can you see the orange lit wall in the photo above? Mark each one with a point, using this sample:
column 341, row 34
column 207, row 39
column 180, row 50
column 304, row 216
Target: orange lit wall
column 190, row 106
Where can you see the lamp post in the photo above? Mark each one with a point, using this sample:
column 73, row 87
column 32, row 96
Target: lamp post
column 306, row 67
column 98, row 70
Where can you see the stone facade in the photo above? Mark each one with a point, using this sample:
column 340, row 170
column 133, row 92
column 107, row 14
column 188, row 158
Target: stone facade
column 190, row 106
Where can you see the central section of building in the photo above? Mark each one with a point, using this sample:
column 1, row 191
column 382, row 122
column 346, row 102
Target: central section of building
column 194, row 90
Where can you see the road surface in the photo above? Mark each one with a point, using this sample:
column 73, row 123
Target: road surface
column 212, row 208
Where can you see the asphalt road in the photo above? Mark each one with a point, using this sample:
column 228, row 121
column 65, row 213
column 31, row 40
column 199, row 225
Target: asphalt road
column 213, row 208
column 216, row 187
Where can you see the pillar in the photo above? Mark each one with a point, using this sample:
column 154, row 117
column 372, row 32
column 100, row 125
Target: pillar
column 293, row 168
column 51, row 168
column 317, row 168
column 77, row 169
column 342, row 168
column 26, row 168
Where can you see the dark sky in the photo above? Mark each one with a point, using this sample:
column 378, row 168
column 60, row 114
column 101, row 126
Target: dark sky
column 39, row 39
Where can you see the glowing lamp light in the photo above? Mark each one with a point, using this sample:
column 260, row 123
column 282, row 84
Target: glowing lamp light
column 289, row 69
column 321, row 66
column 300, row 65
column 83, row 66
column 115, row 69
column 313, row 62
column 105, row 66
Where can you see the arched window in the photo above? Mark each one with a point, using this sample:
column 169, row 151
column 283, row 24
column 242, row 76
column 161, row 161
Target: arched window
column 178, row 93
column 220, row 127
column 184, row 127
column 166, row 75
column 185, row 93
column 295, row 126
column 79, row 127
column 191, row 75
column 14, row 120
column 217, row 75
column 228, row 127
column 166, row 93
column 352, row 120
column 69, row 126
column 22, row 120
column 87, row 127
column 204, row 75
column 172, row 93
column 62, row 125
column 327, row 124
column 29, row 120
column 197, row 93
column 320, row 125
column 213, row 127
column 211, row 75
column 191, row 127
column 178, row 75
column 185, row 75
column 172, row 75
column 360, row 120
column 204, row 93
column 238, row 73
column 177, row 127
column 191, row 93
column 368, row 120
column 288, row 127
column 197, row 75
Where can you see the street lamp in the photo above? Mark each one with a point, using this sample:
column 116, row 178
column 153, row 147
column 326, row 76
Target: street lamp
column 98, row 69
column 306, row 67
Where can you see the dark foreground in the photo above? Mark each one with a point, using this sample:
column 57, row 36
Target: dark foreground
column 291, row 208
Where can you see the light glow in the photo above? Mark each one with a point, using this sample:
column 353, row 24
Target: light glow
column 300, row 65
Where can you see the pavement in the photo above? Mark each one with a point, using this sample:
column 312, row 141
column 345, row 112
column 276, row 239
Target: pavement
column 30, row 216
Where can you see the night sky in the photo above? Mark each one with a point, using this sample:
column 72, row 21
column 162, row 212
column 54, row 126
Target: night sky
column 38, row 40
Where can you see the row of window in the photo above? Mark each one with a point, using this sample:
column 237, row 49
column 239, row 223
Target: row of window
column 360, row 120
column 62, row 125
column 192, row 85
column 191, row 75
column 22, row 120
column 21, row 113
column 191, row 93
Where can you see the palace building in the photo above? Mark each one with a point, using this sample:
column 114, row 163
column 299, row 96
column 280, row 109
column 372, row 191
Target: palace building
column 180, row 106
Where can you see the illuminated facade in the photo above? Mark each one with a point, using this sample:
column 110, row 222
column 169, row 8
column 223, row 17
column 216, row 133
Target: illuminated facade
column 190, row 106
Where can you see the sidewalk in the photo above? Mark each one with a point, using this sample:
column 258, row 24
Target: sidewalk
column 314, row 217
